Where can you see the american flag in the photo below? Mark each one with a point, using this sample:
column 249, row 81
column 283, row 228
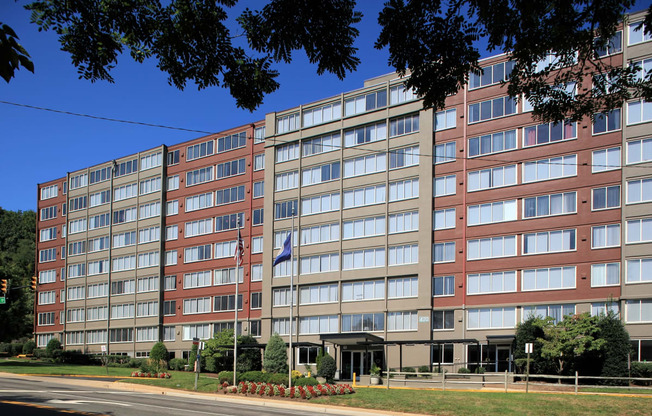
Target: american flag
column 239, row 250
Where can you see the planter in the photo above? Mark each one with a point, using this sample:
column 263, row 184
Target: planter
column 374, row 380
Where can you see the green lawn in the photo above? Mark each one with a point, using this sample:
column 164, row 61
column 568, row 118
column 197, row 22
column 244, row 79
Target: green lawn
column 449, row 403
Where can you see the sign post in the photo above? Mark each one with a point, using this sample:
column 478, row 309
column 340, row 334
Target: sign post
column 199, row 345
column 529, row 346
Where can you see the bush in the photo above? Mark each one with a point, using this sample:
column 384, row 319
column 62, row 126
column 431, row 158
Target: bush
column 463, row 370
column 40, row 353
column 74, row 357
column 227, row 376
column 327, row 368
column 158, row 356
column 5, row 347
column 254, row 376
column 305, row 381
column 480, row 370
column 53, row 347
column 16, row 348
column 136, row 362
column 278, row 378
column 29, row 346
column 641, row 370
column 409, row 370
column 424, row 369
column 177, row 364
column 276, row 357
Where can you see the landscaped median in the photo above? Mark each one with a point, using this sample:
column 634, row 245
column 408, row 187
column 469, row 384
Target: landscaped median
column 280, row 390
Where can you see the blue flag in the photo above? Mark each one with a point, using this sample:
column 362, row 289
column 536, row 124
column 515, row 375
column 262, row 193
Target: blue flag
column 285, row 252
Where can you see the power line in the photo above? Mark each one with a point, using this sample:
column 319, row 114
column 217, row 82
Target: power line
column 115, row 120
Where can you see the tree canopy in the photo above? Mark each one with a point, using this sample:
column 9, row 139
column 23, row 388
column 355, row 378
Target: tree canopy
column 553, row 44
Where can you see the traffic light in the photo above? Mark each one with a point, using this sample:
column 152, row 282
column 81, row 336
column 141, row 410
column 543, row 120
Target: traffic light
column 34, row 282
column 3, row 286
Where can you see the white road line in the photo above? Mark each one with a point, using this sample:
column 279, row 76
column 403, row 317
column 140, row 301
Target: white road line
column 57, row 401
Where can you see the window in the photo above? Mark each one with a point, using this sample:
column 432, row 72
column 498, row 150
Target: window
column 124, row 239
column 401, row 158
column 259, row 189
column 365, row 102
column 549, row 133
column 227, row 276
column 43, row 339
column 47, row 298
column 444, row 153
column 402, row 287
column 151, row 161
column 122, row 311
column 365, row 165
column 124, row 168
column 443, row 320
column 318, row 324
column 259, row 135
column 79, row 181
column 548, row 278
column 79, row 270
column 199, row 150
column 639, row 151
column 556, row 312
column 322, row 114
column 285, row 209
column 281, row 297
column 225, row 249
column 319, row 174
column 639, row 310
column 124, row 215
column 259, row 162
column 123, row 287
column 147, row 309
column 368, row 322
column 548, row 205
column 287, row 123
column 171, row 232
column 47, row 276
column 47, row 255
column 403, row 125
column 491, row 247
column 197, row 202
column 100, row 198
column 444, row 185
column 226, row 303
column 198, row 253
column 201, row 331
column 318, row 234
column 173, row 183
column 256, row 300
column 48, row 192
column 123, row 263
column 362, row 291
column 256, row 245
column 363, row 227
column 320, row 203
column 639, row 191
column 316, row 294
column 493, row 74
column 256, row 272
column 606, row 122
column 444, row 219
column 98, row 221
column 170, row 307
column 173, row 157
column 399, row 94
column 95, row 267
column 405, row 254
column 287, row 152
column 320, row 263
column 150, row 259
column 229, row 222
column 148, row 333
column 547, row 169
column 287, row 180
column 492, row 212
column 605, row 198
column 402, row 190
column 197, row 176
column 496, row 282
column 364, row 196
column 443, row 252
column 638, row 271
column 606, row 159
column 445, row 119
column 490, row 109
column 150, row 210
column 76, row 204
column 645, row 68
column 404, row 222
column 549, row 242
column 642, row 349
column 321, row 144
column 492, row 143
column 613, row 45
column 48, row 234
column 363, row 259
column 605, row 274
column 443, row 286
column 199, row 227
column 639, row 231
column 146, row 235
column 258, row 216
column 603, row 308
column 283, row 269
column 147, row 284
column 491, row 318
column 231, row 142
column 48, row 213
column 99, row 313
column 639, row 111
column 402, row 321
column 197, row 305
column 170, row 283
column 605, row 236
column 75, row 293
column 75, row 337
column 229, row 195
column 125, row 192
column 308, row 355
column 637, row 34
column 99, row 290
column 365, row 134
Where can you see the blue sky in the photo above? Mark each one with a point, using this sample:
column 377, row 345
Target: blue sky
column 39, row 146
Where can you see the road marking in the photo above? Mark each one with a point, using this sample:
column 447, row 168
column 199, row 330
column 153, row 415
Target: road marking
column 57, row 401
column 40, row 406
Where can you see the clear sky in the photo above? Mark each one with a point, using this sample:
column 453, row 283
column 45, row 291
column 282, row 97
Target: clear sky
column 38, row 146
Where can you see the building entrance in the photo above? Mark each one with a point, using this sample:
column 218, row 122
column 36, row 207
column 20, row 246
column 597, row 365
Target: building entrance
column 360, row 362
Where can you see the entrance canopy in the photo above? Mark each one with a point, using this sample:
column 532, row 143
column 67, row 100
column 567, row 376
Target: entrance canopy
column 356, row 338
column 500, row 339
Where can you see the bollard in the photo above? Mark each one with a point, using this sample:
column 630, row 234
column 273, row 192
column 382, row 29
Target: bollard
column 576, row 381
column 443, row 381
column 505, row 381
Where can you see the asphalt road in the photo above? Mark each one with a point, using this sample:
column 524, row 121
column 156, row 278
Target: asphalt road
column 46, row 397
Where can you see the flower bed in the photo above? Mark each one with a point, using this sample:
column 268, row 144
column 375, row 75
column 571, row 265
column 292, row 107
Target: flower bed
column 279, row 390
column 150, row 375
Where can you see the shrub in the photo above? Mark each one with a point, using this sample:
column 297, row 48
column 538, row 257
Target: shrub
column 136, row 362
column 74, row 357
column 276, row 357
column 5, row 347
column 53, row 347
column 159, row 356
column 463, row 370
column 409, row 370
column 424, row 369
column 249, row 358
column 480, row 370
column 177, row 364
column 641, row 370
column 254, row 377
column 616, row 349
column 29, row 346
column 327, row 368
column 227, row 376
column 278, row 378
column 16, row 348
column 305, row 381
column 40, row 353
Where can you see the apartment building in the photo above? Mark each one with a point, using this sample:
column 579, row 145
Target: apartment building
column 421, row 237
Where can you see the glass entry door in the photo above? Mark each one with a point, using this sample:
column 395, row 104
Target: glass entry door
column 359, row 362
column 503, row 358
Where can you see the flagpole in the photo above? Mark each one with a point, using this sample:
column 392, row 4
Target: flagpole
column 235, row 323
column 291, row 300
